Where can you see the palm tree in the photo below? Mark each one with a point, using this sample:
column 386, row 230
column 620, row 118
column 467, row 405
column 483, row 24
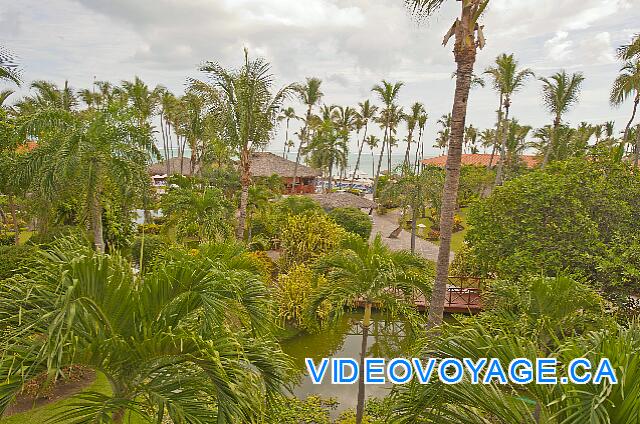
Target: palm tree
column 468, row 36
column 247, row 110
column 166, row 104
column 422, row 122
column 8, row 69
column 310, row 95
column 369, row 274
column 387, row 93
column 507, row 80
column 444, row 134
column 197, row 328
column 412, row 119
column 367, row 113
column 287, row 115
column 328, row 148
column 372, row 141
column 630, row 51
column 626, row 85
column 559, row 93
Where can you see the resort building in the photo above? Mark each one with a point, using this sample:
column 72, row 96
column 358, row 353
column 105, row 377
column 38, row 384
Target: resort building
column 266, row 164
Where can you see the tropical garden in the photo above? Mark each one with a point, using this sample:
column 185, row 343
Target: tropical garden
column 198, row 303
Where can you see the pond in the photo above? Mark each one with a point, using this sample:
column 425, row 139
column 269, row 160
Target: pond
column 387, row 339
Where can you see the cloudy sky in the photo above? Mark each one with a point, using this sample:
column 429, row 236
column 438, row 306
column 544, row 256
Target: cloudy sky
column 349, row 44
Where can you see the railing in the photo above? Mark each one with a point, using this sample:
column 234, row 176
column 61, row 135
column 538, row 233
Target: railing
column 464, row 291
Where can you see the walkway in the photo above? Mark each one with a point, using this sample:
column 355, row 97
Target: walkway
column 385, row 224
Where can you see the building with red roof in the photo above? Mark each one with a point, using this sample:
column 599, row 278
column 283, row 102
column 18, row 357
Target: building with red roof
column 480, row 160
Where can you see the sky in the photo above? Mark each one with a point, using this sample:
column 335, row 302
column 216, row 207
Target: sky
column 350, row 44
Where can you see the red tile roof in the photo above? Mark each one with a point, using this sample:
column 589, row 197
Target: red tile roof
column 480, row 159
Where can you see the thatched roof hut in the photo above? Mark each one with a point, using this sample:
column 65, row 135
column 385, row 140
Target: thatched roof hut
column 266, row 164
column 343, row 200
column 160, row 168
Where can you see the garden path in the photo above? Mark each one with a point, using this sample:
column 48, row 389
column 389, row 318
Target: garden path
column 385, row 224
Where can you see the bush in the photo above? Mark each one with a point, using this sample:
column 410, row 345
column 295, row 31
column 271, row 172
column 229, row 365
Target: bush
column 578, row 217
column 297, row 205
column 153, row 246
column 149, row 229
column 14, row 258
column 7, row 239
column 353, row 220
column 306, row 237
column 292, row 293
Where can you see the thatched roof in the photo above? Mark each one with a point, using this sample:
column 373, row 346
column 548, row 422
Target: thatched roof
column 343, row 200
column 160, row 168
column 266, row 164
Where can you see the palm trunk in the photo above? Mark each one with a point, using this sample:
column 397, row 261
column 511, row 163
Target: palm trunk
column 633, row 116
column 407, row 153
column 503, row 144
column 366, row 322
column 373, row 163
column 96, row 223
column 330, row 177
column 286, row 141
column 355, row 170
column 245, row 169
column 14, row 218
column 552, row 141
column 416, row 166
column 465, row 56
column 414, row 218
column 302, row 141
column 375, row 183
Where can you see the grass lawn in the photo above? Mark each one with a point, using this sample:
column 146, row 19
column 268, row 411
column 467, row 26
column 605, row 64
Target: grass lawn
column 46, row 412
column 457, row 240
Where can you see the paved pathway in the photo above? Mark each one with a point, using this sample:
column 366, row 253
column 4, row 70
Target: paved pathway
column 385, row 224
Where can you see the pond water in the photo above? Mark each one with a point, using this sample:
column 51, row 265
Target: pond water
column 387, row 339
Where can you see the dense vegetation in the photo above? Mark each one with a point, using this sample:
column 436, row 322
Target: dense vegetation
column 180, row 296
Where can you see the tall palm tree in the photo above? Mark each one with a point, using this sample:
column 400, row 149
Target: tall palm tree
column 371, row 274
column 94, row 149
column 630, row 51
column 627, row 85
column 143, row 100
column 287, row 115
column 559, row 93
column 422, row 122
column 372, row 141
column 444, row 134
column 328, row 148
column 367, row 113
column 197, row 328
column 247, row 110
column 412, row 118
column 387, row 93
column 508, row 79
column 468, row 37
column 8, row 69
column 310, row 94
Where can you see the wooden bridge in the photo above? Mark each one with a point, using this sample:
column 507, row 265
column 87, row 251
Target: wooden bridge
column 464, row 296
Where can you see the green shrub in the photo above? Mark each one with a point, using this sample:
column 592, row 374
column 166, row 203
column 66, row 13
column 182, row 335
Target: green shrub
column 292, row 292
column 306, row 237
column 353, row 220
column 153, row 246
column 14, row 258
column 7, row 239
column 296, row 205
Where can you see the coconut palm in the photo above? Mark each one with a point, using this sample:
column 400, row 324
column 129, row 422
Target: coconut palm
column 8, row 69
column 328, row 148
column 373, row 275
column 559, row 93
column 444, row 134
column 387, row 93
column 630, row 51
column 627, row 85
column 247, row 111
column 96, row 150
column 468, row 38
column 287, row 115
column 507, row 80
column 372, row 141
column 191, row 344
column 412, row 120
column 310, row 94
column 422, row 122
column 367, row 113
